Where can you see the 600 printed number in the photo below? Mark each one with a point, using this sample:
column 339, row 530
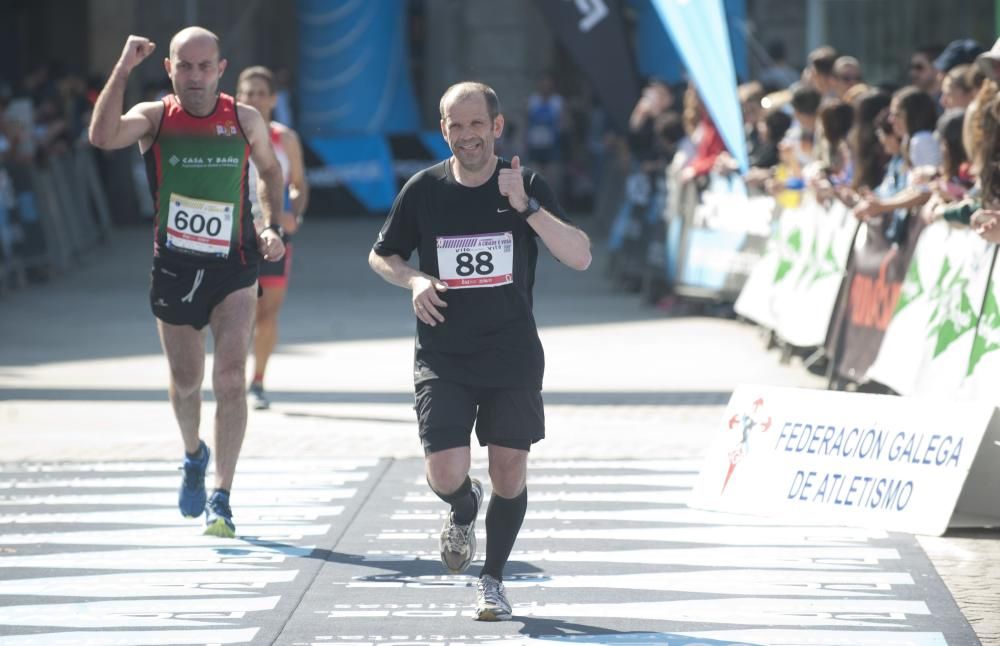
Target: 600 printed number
column 197, row 223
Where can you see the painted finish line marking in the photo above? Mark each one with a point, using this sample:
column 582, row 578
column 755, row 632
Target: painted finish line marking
column 811, row 558
column 736, row 582
column 609, row 553
column 109, row 537
column 788, row 535
column 762, row 637
column 839, row 613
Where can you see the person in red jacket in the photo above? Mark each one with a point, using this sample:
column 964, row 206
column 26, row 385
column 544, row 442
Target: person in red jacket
column 709, row 144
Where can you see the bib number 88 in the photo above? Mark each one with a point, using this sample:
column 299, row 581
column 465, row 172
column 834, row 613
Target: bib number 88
column 197, row 223
column 483, row 264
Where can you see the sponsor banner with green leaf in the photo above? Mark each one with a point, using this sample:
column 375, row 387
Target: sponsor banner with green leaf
column 927, row 347
column 755, row 299
column 808, row 294
column 983, row 368
column 793, row 289
column 898, row 360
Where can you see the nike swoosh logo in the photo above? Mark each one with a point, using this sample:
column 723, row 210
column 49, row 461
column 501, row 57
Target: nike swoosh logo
column 502, row 210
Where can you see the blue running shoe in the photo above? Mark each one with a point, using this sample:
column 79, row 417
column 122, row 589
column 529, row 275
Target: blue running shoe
column 219, row 517
column 257, row 397
column 191, row 498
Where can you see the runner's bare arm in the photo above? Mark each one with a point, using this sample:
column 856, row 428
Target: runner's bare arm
column 271, row 183
column 299, row 187
column 109, row 128
column 425, row 288
column 394, row 269
column 568, row 244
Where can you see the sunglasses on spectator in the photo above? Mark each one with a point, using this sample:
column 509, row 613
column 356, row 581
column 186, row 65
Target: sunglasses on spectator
column 918, row 66
column 848, row 79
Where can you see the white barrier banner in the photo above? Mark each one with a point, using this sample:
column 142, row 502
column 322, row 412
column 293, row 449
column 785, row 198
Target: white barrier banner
column 793, row 289
column 929, row 342
column 895, row 463
column 804, row 308
column 723, row 240
column 899, row 358
column 756, row 300
column 983, row 374
column 725, row 206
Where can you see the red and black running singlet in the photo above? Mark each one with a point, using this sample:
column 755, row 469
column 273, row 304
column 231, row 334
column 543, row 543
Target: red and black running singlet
column 197, row 169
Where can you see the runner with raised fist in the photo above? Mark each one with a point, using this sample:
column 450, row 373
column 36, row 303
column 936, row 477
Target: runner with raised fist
column 197, row 144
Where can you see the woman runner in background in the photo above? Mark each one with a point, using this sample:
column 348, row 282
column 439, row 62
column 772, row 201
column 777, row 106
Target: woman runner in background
column 256, row 88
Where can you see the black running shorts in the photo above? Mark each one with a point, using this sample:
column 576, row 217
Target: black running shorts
column 509, row 417
column 182, row 295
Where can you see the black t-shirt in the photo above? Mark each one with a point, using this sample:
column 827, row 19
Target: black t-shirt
column 471, row 238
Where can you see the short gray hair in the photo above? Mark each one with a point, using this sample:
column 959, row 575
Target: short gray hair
column 465, row 89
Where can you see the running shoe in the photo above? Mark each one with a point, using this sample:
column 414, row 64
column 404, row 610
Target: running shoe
column 191, row 498
column 219, row 517
column 458, row 542
column 258, row 400
column 491, row 600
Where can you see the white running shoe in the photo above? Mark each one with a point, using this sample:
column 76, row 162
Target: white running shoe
column 458, row 542
column 491, row 600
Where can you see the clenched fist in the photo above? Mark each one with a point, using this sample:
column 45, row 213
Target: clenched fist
column 271, row 245
column 136, row 50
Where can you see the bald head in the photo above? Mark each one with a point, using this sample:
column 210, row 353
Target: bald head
column 194, row 68
column 194, row 35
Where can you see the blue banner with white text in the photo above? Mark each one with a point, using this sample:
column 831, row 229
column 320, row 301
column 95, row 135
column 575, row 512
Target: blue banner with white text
column 359, row 174
column 354, row 75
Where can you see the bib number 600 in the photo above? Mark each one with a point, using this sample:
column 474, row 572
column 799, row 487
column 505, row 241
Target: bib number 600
column 482, row 264
column 197, row 223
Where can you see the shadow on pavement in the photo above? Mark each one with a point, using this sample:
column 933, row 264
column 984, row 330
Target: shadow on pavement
column 567, row 632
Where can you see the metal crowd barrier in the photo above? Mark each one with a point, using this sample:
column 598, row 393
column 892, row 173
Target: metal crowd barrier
column 672, row 238
column 52, row 216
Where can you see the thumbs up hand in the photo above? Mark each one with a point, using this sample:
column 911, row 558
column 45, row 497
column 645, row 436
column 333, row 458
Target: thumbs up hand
column 512, row 185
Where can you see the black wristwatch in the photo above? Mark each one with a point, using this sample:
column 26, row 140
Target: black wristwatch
column 277, row 228
column 533, row 207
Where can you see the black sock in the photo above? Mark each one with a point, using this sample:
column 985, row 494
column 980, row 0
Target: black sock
column 196, row 455
column 463, row 505
column 224, row 492
column 503, row 522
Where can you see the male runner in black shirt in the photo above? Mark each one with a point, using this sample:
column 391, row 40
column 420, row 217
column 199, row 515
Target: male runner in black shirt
column 474, row 220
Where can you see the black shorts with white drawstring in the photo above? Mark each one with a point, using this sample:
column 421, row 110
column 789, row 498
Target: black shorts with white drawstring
column 186, row 295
